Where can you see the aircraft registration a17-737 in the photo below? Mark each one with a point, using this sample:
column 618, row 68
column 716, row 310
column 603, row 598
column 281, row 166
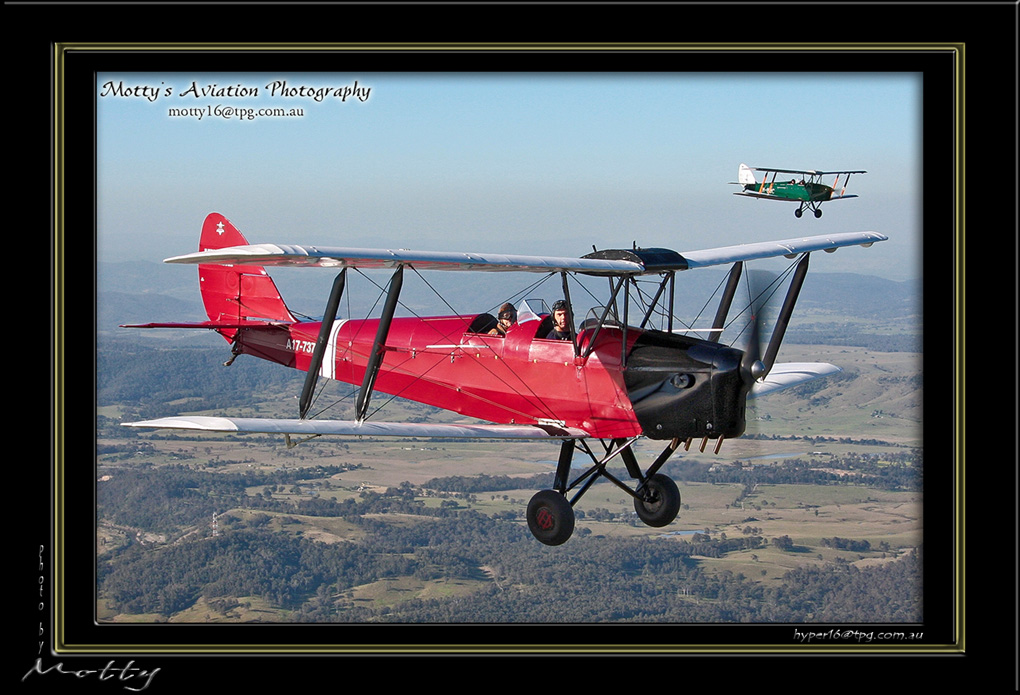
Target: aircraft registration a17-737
column 805, row 188
column 609, row 380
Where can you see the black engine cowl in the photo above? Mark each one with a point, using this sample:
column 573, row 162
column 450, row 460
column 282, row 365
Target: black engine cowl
column 682, row 387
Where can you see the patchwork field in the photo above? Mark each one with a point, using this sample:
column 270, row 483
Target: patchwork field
column 871, row 410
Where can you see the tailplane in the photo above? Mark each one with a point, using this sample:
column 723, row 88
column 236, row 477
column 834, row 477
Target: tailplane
column 234, row 294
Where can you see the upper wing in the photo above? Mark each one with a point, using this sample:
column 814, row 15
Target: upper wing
column 810, row 172
column 785, row 247
column 840, row 172
column 363, row 429
column 639, row 262
column 337, row 257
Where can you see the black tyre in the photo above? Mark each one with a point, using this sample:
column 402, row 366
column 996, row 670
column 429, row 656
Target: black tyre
column 818, row 213
column 660, row 501
column 550, row 517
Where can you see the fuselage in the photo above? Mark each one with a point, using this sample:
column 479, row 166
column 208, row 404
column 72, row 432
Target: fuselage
column 791, row 190
column 633, row 382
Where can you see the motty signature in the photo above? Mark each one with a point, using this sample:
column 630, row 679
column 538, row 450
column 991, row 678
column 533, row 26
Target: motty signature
column 132, row 678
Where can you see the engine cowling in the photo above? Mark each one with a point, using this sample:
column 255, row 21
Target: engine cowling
column 682, row 387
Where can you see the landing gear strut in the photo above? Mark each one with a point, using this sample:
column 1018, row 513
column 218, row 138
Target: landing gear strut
column 656, row 498
column 814, row 207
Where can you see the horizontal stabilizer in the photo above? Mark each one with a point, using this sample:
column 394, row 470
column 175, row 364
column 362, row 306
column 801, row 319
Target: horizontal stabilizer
column 361, row 429
column 212, row 325
column 784, row 376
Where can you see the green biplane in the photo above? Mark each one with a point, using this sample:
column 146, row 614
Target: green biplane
column 805, row 187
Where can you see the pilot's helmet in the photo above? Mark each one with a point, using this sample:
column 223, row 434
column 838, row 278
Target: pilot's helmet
column 560, row 305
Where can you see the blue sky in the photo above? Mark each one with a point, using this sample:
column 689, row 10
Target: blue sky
column 527, row 163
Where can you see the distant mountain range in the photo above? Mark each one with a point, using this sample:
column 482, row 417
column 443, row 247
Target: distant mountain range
column 144, row 291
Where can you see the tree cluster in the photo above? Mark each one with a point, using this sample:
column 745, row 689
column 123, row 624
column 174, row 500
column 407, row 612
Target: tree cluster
column 591, row 579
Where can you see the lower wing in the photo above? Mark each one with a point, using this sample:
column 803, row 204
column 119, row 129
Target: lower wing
column 361, row 429
column 785, row 375
column 767, row 196
column 782, row 376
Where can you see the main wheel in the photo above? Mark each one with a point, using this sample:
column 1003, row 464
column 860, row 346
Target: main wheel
column 798, row 212
column 659, row 501
column 818, row 213
column 550, row 517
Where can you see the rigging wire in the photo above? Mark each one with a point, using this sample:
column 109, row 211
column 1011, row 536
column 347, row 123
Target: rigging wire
column 525, row 395
column 755, row 304
column 538, row 402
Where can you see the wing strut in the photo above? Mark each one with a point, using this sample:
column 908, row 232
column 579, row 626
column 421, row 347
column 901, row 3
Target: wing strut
column 667, row 279
column 672, row 296
column 726, row 301
column 379, row 346
column 570, row 322
column 605, row 314
column 332, row 305
column 785, row 313
column 626, row 320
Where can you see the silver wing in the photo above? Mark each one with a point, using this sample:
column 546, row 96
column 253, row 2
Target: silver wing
column 788, row 374
column 353, row 428
column 784, row 247
column 808, row 172
column 340, row 257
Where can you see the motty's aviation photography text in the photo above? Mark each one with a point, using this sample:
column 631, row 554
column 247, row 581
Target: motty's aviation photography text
column 277, row 89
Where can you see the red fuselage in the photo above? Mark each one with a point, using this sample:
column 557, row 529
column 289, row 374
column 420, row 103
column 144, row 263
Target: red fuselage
column 517, row 379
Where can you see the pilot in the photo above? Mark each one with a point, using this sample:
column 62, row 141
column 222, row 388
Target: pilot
column 561, row 321
column 507, row 317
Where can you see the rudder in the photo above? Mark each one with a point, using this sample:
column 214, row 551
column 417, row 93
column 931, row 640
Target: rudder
column 745, row 176
column 235, row 293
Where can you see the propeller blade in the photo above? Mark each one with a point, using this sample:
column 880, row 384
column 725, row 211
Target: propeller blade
column 751, row 365
column 760, row 286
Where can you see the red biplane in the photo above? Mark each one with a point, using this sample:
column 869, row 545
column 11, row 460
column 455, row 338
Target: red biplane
column 609, row 381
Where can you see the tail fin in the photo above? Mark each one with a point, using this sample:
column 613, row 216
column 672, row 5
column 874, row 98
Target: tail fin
column 236, row 293
column 745, row 175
